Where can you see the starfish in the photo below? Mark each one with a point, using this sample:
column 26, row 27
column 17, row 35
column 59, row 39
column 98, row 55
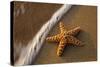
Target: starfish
column 65, row 38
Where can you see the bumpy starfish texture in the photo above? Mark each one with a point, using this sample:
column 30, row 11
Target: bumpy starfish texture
column 65, row 38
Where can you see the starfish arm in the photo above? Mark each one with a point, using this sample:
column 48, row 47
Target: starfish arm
column 74, row 32
column 74, row 41
column 54, row 38
column 61, row 48
column 61, row 26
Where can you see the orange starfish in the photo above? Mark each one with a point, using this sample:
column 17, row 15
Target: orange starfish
column 64, row 38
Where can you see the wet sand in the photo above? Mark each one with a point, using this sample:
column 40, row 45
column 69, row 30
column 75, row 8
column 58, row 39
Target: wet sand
column 29, row 17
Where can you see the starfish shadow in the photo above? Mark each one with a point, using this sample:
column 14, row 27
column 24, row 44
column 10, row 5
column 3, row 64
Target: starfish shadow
column 87, row 52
